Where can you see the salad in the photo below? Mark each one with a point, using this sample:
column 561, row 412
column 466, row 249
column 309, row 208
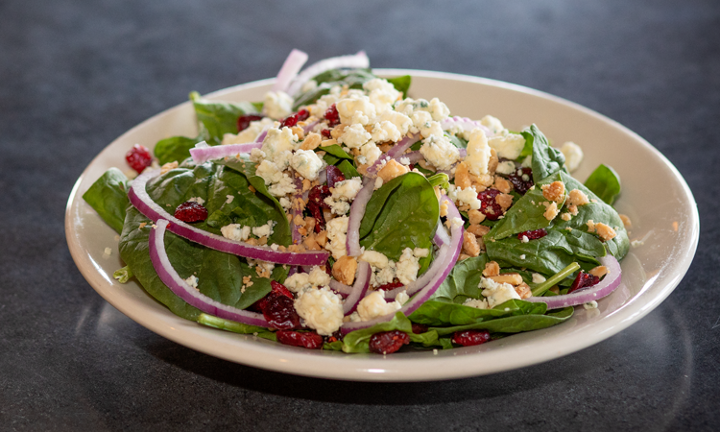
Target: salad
column 341, row 214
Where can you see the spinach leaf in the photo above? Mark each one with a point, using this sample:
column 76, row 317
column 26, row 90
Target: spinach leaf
column 348, row 169
column 235, row 327
column 605, row 183
column 336, row 151
column 403, row 213
column 513, row 324
column 354, row 79
column 439, row 179
column 359, row 340
column 546, row 160
column 175, row 148
column 108, row 196
column 401, row 83
column 457, row 141
column 462, row 282
column 218, row 118
column 441, row 313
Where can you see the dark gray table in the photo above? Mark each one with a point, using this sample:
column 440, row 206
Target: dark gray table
column 75, row 75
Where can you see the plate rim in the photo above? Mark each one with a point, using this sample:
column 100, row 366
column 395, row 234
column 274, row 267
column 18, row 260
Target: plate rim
column 369, row 367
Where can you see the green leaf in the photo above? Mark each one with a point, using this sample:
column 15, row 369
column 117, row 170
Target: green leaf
column 235, row 327
column 108, row 196
column 123, row 275
column 546, row 160
column 462, row 282
column 401, row 83
column 359, row 340
column 442, row 313
column 456, row 141
column 354, row 79
column 605, row 183
column 403, row 213
column 513, row 324
column 175, row 148
column 337, row 151
column 348, row 169
column 218, row 118
column 439, row 179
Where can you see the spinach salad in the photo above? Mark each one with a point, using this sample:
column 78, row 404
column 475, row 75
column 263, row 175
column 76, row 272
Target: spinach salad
column 340, row 214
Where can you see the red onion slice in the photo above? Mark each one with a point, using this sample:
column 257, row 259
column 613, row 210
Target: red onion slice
column 423, row 280
column 441, row 235
column 289, row 70
column 168, row 276
column 356, row 61
column 602, row 289
column 359, row 288
column 451, row 254
column 395, row 152
column 357, row 211
column 141, row 200
column 202, row 152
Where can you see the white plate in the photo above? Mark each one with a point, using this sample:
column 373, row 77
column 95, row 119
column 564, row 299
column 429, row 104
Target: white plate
column 655, row 196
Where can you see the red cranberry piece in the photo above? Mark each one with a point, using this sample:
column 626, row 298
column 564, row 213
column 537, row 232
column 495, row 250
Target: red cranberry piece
column 489, row 206
column 388, row 342
column 190, row 211
column 316, row 202
column 295, row 118
column 139, row 158
column 303, row 115
column 280, row 313
column 391, row 285
column 244, row 121
column 309, row 340
column 326, row 133
column 334, row 175
column 471, row 337
column 533, row 235
column 332, row 116
column 419, row 328
column 522, row 180
column 279, row 288
column 583, row 280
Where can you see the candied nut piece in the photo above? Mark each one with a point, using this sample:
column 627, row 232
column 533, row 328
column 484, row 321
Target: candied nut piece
column 338, row 131
column 626, row 221
column 299, row 132
column 523, row 290
column 504, row 200
column 391, row 170
column 470, row 244
column 475, row 217
column 312, row 141
column 576, row 197
column 491, row 269
column 513, row 279
column 310, row 243
column 554, row 191
column 603, row 231
column 493, row 162
column 321, row 238
column 344, row 270
column 479, row 230
column 502, row 185
column 462, row 176
column 599, row 271
column 551, row 212
column 168, row 166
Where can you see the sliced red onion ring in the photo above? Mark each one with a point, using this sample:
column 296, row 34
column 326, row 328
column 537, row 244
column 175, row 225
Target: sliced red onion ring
column 141, row 200
column 261, row 136
column 340, row 288
column 441, row 235
column 414, row 157
column 357, row 211
column 356, row 61
column 193, row 297
column 602, row 289
column 289, row 70
column 423, row 280
column 308, row 127
column 359, row 288
column 443, row 267
column 394, row 153
column 202, row 152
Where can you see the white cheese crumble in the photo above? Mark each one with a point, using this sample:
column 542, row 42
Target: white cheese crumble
column 355, row 109
column 590, row 305
column 236, row 232
column 277, row 104
column 497, row 293
column 467, row 196
column 264, row 230
column 307, row 163
column 439, row 151
column 407, row 267
column 492, row 123
column 478, row 152
column 573, row 155
column 192, row 281
column 337, row 236
column 507, row 145
column 538, row 278
column 505, row 168
column 370, row 152
column 197, row 200
column 320, row 309
column 249, row 134
column 476, row 303
column 354, row 136
column 374, row 305
column 278, row 144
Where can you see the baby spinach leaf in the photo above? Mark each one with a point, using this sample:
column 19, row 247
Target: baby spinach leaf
column 235, row 327
column 441, row 313
column 462, row 282
column 401, row 83
column 605, row 183
column 354, row 79
column 359, row 340
column 403, row 213
column 336, row 151
column 218, row 118
column 457, row 141
column 439, row 179
column 348, row 169
column 108, row 196
column 175, row 148
column 513, row 324
column 546, row 160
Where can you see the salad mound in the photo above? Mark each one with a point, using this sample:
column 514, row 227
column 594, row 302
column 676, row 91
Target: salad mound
column 341, row 214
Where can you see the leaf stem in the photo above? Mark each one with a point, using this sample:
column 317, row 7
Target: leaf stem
column 562, row 274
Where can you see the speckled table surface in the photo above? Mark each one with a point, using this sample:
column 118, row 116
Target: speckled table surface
column 75, row 75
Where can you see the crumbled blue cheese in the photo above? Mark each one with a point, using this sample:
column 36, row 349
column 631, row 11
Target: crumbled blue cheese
column 322, row 105
column 478, row 152
column 374, row 305
column 320, row 309
column 476, row 303
column 381, row 93
column 197, row 200
column 375, row 259
column 590, row 305
column 507, row 145
column 467, row 196
column 343, row 192
column 401, row 121
column 370, row 152
column 307, row 163
column 236, row 232
column 538, row 278
column 264, row 230
column 492, row 123
column 277, row 104
column 192, row 281
column 573, row 155
column 354, row 136
column 249, row 134
column 497, row 293
column 385, row 131
column 337, row 236
column 278, row 144
column 407, row 266
column 505, row 167
column 300, row 281
column 355, row 109
column 439, row 151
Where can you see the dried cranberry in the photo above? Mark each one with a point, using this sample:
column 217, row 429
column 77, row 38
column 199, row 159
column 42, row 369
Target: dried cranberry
column 489, row 206
column 326, row 133
column 337, row 336
column 139, row 158
column 244, row 121
column 309, row 340
column 522, row 180
column 419, row 328
column 391, row 285
column 280, row 313
column 471, row 337
column 279, row 288
column 532, row 235
column 583, row 280
column 316, row 202
column 292, row 120
column 334, row 175
column 190, row 211
column 388, row 342
column 332, row 116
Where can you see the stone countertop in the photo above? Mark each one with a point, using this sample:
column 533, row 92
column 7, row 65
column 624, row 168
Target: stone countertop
column 74, row 75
